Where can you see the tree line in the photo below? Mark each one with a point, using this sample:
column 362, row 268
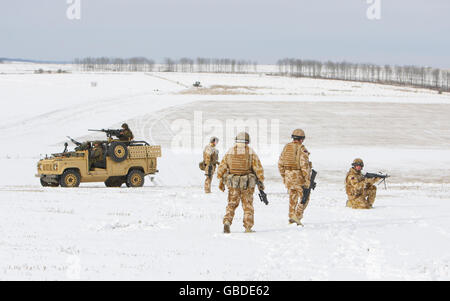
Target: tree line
column 142, row 64
column 134, row 64
column 414, row 76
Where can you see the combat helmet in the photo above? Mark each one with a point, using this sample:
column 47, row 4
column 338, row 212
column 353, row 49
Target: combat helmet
column 358, row 162
column 243, row 137
column 298, row 134
column 213, row 139
column 125, row 126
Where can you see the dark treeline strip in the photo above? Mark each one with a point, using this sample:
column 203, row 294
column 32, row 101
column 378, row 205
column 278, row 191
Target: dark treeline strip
column 413, row 76
column 141, row 64
column 421, row 77
column 134, row 64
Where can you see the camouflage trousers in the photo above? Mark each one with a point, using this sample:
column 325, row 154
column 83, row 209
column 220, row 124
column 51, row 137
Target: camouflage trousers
column 294, row 182
column 296, row 208
column 364, row 201
column 208, row 179
column 236, row 195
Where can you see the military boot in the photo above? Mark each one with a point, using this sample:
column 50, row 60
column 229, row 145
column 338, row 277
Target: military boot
column 249, row 230
column 295, row 220
column 226, row 227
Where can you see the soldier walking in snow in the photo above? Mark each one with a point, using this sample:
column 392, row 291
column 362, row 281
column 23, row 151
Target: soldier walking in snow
column 210, row 160
column 240, row 170
column 295, row 169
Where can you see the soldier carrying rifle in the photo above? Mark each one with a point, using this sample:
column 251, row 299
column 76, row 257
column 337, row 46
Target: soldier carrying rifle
column 241, row 171
column 298, row 176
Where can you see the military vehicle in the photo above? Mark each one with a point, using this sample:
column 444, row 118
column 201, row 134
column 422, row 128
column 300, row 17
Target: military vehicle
column 123, row 163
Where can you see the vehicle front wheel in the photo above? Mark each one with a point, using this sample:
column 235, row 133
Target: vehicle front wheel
column 70, row 178
column 135, row 178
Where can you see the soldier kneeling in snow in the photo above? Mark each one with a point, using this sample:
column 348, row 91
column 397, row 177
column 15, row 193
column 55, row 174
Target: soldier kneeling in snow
column 361, row 191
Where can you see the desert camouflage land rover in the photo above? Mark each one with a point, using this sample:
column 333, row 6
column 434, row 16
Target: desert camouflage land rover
column 122, row 162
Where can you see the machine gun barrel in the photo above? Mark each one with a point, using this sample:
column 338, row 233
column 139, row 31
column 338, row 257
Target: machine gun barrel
column 370, row 175
column 109, row 132
column 74, row 141
column 381, row 176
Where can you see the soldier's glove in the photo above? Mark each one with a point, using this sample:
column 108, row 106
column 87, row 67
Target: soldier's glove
column 222, row 186
column 261, row 186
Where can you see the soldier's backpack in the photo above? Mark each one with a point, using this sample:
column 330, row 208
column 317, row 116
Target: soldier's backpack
column 291, row 156
column 240, row 160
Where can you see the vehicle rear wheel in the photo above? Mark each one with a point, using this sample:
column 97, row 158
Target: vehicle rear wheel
column 114, row 182
column 135, row 178
column 70, row 178
column 118, row 151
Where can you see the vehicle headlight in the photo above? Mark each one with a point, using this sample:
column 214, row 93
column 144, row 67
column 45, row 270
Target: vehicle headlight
column 55, row 166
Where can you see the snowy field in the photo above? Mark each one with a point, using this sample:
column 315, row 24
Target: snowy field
column 171, row 230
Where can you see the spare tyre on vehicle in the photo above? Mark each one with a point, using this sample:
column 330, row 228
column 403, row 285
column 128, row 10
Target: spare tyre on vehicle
column 118, row 151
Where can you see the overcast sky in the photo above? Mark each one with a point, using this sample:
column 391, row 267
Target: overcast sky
column 409, row 32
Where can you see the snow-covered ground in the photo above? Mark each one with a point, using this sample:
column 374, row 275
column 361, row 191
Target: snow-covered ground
column 171, row 230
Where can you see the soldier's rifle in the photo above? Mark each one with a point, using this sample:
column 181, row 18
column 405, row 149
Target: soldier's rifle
column 210, row 168
column 262, row 195
column 381, row 176
column 312, row 185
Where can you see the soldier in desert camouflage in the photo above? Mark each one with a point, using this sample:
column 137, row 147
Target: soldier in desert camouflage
column 210, row 160
column 96, row 155
column 361, row 191
column 295, row 169
column 126, row 134
column 241, row 171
